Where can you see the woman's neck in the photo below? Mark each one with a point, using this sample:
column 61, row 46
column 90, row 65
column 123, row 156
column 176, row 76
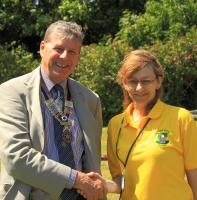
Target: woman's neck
column 141, row 109
column 138, row 113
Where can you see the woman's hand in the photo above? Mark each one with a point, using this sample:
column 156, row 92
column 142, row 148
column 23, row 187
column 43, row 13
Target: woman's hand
column 192, row 180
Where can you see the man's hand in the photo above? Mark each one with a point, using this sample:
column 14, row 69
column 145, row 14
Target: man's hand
column 91, row 185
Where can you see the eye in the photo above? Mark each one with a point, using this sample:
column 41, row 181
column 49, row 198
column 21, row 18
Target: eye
column 146, row 82
column 133, row 82
column 58, row 49
column 72, row 52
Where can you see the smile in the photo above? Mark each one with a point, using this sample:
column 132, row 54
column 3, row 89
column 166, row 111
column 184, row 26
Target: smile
column 141, row 95
column 61, row 65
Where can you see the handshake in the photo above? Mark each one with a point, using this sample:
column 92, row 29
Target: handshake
column 92, row 186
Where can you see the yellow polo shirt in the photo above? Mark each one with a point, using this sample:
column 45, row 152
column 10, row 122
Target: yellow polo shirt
column 164, row 151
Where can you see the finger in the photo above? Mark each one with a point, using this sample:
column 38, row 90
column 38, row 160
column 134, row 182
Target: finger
column 82, row 194
column 93, row 175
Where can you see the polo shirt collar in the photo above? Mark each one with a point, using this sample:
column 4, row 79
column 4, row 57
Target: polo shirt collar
column 157, row 110
column 153, row 114
column 128, row 119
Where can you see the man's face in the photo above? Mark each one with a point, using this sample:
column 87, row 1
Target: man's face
column 59, row 56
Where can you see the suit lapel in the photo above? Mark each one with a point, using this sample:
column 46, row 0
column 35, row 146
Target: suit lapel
column 78, row 100
column 33, row 96
column 88, row 124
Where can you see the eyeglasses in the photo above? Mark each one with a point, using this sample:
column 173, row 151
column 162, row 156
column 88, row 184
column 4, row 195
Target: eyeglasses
column 144, row 83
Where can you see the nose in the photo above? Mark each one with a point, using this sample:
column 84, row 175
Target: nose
column 64, row 54
column 139, row 86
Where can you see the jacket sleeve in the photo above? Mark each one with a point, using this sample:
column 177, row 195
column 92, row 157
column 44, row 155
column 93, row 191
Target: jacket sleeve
column 21, row 160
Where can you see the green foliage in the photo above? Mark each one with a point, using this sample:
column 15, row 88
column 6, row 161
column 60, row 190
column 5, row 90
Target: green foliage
column 21, row 19
column 94, row 16
column 25, row 21
column 74, row 10
column 165, row 27
column 15, row 62
column 97, row 70
column 162, row 20
column 178, row 57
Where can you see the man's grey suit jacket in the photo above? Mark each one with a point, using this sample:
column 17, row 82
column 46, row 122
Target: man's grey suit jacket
column 23, row 165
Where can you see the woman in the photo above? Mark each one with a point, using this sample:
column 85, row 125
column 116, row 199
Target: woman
column 151, row 145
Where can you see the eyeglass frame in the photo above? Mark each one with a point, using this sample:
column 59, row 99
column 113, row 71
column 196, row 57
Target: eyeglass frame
column 144, row 83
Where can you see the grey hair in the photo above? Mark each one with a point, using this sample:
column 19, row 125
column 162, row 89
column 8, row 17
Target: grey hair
column 69, row 29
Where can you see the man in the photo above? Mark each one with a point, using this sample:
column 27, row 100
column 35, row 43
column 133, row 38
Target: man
column 51, row 127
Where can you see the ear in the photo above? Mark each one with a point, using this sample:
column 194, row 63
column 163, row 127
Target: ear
column 42, row 47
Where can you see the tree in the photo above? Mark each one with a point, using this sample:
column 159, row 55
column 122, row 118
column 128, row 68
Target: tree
column 162, row 20
column 15, row 62
column 26, row 21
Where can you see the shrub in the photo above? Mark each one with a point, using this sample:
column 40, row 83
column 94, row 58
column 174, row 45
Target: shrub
column 162, row 20
column 14, row 62
column 97, row 70
column 178, row 57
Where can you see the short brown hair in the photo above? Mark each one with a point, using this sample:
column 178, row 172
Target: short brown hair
column 69, row 29
column 134, row 61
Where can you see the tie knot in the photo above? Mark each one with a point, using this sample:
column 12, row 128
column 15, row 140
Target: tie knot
column 57, row 91
column 58, row 88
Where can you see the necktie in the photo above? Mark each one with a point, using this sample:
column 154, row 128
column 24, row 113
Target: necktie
column 64, row 151
column 57, row 94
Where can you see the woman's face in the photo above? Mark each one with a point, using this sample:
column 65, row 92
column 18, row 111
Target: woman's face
column 142, row 86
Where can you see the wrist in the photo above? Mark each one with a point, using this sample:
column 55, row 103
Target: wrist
column 73, row 176
column 77, row 182
column 112, row 187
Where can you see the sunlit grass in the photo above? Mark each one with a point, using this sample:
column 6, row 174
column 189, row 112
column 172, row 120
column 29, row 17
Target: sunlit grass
column 104, row 141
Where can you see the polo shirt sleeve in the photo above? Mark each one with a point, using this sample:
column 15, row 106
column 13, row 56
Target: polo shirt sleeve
column 189, row 138
column 114, row 165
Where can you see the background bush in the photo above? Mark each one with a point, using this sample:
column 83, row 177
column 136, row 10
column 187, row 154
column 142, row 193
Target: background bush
column 179, row 59
column 15, row 61
column 97, row 70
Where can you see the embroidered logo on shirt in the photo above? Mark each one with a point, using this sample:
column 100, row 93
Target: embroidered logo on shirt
column 162, row 137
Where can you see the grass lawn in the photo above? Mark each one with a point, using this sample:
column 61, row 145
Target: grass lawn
column 104, row 164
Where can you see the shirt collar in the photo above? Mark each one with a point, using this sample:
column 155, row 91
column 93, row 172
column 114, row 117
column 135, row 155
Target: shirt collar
column 128, row 119
column 157, row 110
column 153, row 114
column 49, row 84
